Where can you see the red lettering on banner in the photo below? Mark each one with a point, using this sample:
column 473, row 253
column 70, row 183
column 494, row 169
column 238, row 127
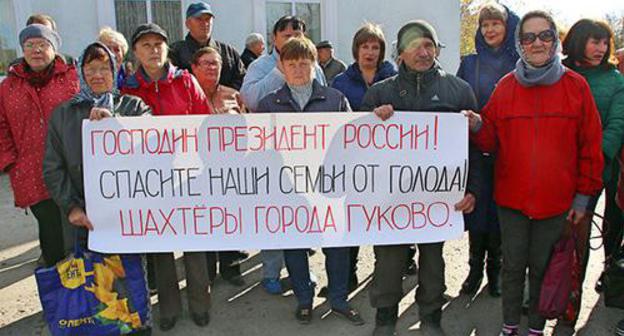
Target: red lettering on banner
column 414, row 216
column 301, row 219
column 383, row 136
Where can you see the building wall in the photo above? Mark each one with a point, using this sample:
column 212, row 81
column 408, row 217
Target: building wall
column 233, row 21
column 77, row 20
column 80, row 20
column 444, row 16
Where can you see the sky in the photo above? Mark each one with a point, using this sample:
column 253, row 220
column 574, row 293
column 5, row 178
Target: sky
column 569, row 11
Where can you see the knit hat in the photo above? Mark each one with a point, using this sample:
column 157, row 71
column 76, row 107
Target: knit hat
column 413, row 30
column 37, row 30
column 148, row 28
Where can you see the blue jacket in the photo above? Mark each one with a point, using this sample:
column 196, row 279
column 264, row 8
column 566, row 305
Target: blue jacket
column 263, row 77
column 323, row 99
column 483, row 69
column 352, row 84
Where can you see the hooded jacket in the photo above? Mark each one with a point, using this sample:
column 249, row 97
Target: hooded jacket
column 485, row 68
column 24, row 114
column 353, row 86
column 547, row 141
column 433, row 91
column 176, row 93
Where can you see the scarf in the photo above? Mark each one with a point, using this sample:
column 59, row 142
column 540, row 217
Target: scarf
column 41, row 78
column 104, row 100
column 548, row 74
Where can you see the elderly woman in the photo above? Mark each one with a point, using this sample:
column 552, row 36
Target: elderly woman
column 33, row 88
column 206, row 66
column 98, row 98
column 303, row 93
column 542, row 125
column 170, row 91
column 368, row 49
column 589, row 50
column 496, row 56
column 116, row 42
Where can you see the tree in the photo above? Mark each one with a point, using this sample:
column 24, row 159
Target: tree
column 616, row 22
column 469, row 25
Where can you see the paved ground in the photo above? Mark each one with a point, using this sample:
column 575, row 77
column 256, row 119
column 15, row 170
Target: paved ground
column 249, row 311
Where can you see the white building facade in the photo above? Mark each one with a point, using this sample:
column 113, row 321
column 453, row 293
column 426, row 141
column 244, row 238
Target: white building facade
column 79, row 21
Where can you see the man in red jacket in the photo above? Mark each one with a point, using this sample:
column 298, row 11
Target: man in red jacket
column 33, row 88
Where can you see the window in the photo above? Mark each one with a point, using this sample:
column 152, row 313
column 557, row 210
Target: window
column 8, row 36
column 165, row 13
column 308, row 10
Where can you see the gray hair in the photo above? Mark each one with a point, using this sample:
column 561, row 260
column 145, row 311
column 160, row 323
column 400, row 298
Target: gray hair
column 252, row 39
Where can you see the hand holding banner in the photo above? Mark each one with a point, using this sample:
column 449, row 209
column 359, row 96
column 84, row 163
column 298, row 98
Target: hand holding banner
column 273, row 181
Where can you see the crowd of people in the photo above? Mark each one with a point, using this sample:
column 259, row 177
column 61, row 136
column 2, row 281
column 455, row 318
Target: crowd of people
column 546, row 121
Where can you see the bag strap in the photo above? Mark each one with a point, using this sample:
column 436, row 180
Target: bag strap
column 602, row 231
column 78, row 250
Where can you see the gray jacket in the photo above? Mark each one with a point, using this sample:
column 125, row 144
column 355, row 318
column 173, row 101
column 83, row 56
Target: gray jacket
column 332, row 69
column 62, row 162
column 430, row 91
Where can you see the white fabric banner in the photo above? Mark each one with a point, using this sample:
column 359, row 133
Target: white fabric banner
column 273, row 181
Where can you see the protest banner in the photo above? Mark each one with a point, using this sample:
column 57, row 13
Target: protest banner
column 273, row 181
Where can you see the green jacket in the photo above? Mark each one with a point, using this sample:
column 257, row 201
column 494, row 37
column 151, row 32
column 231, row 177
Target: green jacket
column 607, row 87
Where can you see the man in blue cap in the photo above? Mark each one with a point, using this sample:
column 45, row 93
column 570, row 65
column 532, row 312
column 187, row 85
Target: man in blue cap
column 199, row 20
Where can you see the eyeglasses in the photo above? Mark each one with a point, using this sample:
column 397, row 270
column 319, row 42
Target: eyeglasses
column 88, row 71
column 30, row 46
column 545, row 36
column 205, row 64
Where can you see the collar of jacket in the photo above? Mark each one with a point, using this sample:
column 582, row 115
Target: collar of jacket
column 420, row 79
column 140, row 78
column 195, row 45
column 591, row 70
column 385, row 70
column 116, row 97
column 283, row 96
column 19, row 69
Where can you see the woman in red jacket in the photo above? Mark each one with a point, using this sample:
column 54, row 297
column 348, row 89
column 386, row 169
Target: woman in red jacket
column 543, row 126
column 29, row 94
column 170, row 91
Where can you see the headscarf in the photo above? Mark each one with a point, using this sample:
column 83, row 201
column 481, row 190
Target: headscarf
column 549, row 73
column 104, row 100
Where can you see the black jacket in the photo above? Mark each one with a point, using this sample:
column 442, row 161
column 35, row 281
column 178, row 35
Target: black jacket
column 232, row 69
column 430, row 91
column 62, row 162
column 247, row 57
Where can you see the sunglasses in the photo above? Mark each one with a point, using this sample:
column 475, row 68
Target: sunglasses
column 545, row 36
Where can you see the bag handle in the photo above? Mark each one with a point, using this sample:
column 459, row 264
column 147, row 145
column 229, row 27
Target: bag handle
column 602, row 231
column 78, row 250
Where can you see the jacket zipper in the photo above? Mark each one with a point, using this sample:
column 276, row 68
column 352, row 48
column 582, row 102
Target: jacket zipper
column 533, row 151
column 158, row 97
column 418, row 80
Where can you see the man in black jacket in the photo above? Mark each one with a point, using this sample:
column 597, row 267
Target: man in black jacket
column 421, row 85
column 199, row 20
column 254, row 47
